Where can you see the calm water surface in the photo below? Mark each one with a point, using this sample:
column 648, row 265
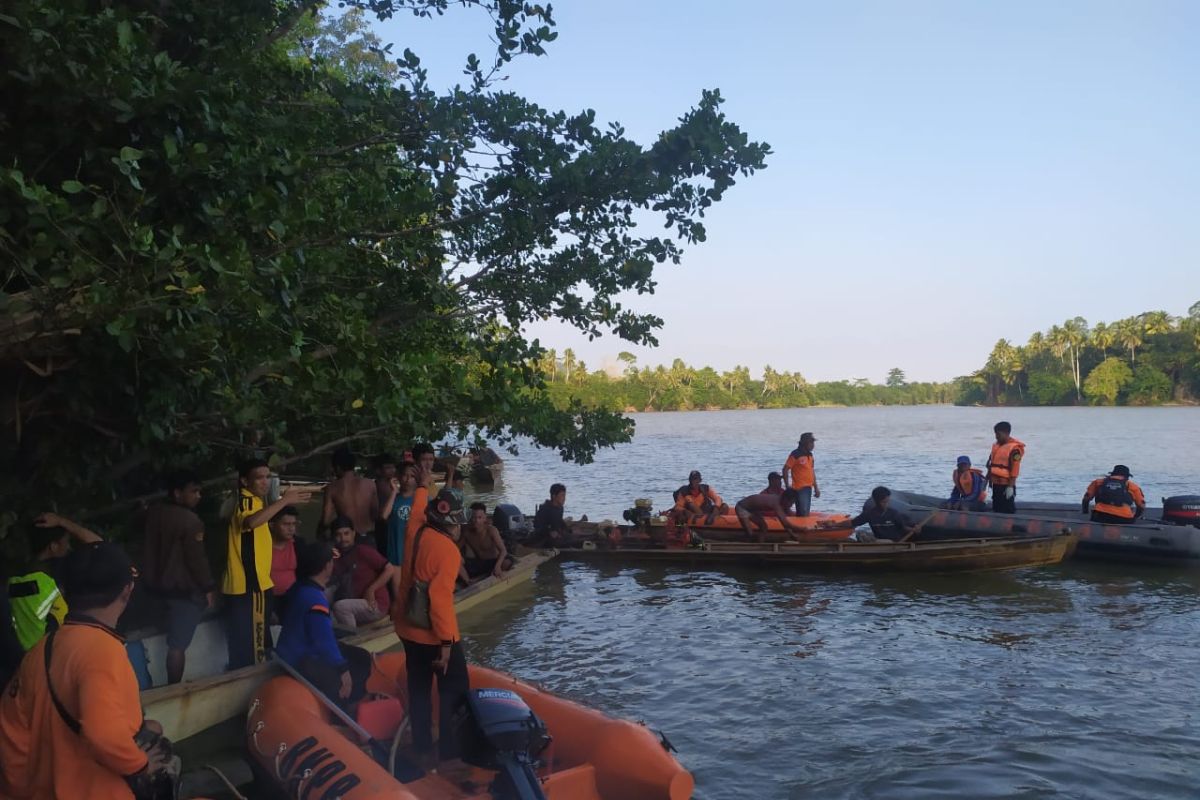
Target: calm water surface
column 1078, row 681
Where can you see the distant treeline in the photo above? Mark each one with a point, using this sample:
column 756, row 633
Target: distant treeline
column 1149, row 359
column 681, row 387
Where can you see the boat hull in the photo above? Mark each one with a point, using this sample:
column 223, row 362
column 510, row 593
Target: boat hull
column 963, row 555
column 1149, row 541
column 594, row 757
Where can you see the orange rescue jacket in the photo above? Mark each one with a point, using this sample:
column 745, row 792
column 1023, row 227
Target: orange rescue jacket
column 1004, row 464
column 40, row 755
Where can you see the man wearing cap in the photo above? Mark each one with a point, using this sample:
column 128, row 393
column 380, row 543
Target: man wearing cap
column 799, row 474
column 695, row 501
column 970, row 487
column 425, row 620
column 774, row 484
column 71, row 719
column 1118, row 499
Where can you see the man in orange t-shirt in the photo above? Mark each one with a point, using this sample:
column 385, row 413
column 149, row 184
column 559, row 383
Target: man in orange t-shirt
column 433, row 645
column 799, row 474
column 71, row 721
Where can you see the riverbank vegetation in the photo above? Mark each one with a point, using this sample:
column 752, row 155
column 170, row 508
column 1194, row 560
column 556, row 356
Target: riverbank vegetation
column 681, row 387
column 229, row 228
column 1150, row 359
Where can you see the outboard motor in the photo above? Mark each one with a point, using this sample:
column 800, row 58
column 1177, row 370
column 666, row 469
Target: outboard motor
column 639, row 516
column 497, row 730
column 1182, row 510
column 511, row 523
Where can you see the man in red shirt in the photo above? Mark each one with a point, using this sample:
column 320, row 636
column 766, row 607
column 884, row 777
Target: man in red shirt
column 361, row 576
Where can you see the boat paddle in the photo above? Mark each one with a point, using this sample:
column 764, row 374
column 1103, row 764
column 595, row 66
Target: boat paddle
column 917, row 528
column 377, row 748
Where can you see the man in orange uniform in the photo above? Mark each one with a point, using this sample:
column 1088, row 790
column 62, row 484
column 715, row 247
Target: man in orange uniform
column 695, row 501
column 1003, row 467
column 71, row 719
column 799, row 474
column 432, row 643
column 1118, row 499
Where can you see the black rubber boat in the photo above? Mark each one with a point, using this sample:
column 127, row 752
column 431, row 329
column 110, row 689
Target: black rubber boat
column 1169, row 535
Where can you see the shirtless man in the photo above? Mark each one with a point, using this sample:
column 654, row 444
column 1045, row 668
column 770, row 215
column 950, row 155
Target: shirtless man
column 484, row 552
column 753, row 508
column 351, row 496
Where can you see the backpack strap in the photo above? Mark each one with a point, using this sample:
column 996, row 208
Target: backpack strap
column 70, row 721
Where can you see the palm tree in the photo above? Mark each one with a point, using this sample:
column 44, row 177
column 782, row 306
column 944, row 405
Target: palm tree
column 1129, row 334
column 1103, row 337
column 568, row 362
column 1075, row 331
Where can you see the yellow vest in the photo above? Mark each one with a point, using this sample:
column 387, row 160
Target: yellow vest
column 249, row 550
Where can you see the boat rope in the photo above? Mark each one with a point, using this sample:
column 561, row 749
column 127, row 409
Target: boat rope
column 228, row 783
column 258, row 726
column 278, row 758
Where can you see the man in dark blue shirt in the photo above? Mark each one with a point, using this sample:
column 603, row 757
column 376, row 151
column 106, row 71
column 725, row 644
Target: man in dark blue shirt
column 885, row 522
column 307, row 641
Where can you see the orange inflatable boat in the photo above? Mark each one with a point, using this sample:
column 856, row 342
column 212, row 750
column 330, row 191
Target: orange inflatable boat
column 726, row 527
column 589, row 756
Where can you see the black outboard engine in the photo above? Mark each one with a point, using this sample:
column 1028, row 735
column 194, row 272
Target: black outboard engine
column 511, row 523
column 1182, row 510
column 497, row 730
column 639, row 516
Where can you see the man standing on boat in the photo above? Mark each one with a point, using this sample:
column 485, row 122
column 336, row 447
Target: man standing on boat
column 350, row 495
column 426, row 622
column 799, row 474
column 177, row 571
column 248, row 570
column 1118, row 499
column 1003, row 467
column 970, row 487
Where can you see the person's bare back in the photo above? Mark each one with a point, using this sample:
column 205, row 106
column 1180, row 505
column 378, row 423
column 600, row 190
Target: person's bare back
column 354, row 497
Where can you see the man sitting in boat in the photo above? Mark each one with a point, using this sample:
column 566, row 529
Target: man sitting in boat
column 756, row 506
column 696, row 501
column 1118, row 499
column 970, row 487
column 549, row 529
column 885, row 522
column 361, row 576
column 307, row 641
column 483, row 549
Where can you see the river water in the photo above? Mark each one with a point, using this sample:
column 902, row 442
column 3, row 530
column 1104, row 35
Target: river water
column 1079, row 681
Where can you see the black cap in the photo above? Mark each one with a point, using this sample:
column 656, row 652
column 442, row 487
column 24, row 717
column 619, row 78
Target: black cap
column 774, row 476
column 807, row 435
column 94, row 574
column 445, row 509
column 1121, row 469
column 694, row 474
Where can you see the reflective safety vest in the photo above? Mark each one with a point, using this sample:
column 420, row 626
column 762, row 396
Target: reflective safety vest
column 36, row 604
column 1114, row 498
column 964, row 482
column 1004, row 464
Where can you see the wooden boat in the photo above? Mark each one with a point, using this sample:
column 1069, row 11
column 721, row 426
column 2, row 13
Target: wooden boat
column 958, row 555
column 831, row 528
column 1150, row 540
column 195, row 705
column 291, row 738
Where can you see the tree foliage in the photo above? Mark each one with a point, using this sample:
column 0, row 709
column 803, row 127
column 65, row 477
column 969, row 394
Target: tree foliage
column 221, row 233
column 681, row 387
column 1144, row 360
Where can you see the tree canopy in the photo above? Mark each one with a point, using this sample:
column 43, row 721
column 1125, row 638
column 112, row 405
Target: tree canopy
column 226, row 228
column 1143, row 360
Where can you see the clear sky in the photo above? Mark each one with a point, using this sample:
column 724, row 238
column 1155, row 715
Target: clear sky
column 944, row 173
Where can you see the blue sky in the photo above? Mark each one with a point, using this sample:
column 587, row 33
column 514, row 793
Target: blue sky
column 944, row 173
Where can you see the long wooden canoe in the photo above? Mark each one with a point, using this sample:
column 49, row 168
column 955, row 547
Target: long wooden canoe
column 961, row 555
column 187, row 708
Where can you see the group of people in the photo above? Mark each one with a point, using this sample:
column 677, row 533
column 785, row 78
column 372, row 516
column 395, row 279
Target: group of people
column 400, row 549
column 791, row 491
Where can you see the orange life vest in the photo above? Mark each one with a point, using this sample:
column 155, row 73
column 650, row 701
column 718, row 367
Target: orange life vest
column 1115, row 496
column 965, row 481
column 1005, row 462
